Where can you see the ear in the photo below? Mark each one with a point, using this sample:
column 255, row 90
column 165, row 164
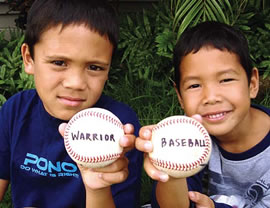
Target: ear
column 180, row 100
column 254, row 83
column 27, row 59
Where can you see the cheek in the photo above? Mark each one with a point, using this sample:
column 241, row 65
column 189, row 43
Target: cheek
column 97, row 83
column 190, row 104
column 238, row 94
column 46, row 80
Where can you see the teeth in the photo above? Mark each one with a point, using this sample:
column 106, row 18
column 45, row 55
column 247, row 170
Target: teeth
column 215, row 116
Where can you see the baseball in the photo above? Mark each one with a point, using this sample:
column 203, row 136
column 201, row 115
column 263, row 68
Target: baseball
column 92, row 136
column 181, row 146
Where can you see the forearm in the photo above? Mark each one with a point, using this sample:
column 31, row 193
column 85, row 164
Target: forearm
column 173, row 193
column 99, row 198
column 3, row 188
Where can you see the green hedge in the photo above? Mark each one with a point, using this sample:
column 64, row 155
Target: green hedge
column 141, row 70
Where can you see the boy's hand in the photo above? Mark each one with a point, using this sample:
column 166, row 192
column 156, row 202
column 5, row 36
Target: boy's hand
column 99, row 178
column 144, row 144
column 116, row 172
column 201, row 200
column 128, row 141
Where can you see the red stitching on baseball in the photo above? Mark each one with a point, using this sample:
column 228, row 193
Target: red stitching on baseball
column 81, row 158
column 186, row 166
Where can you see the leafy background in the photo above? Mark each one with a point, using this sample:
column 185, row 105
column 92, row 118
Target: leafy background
column 141, row 71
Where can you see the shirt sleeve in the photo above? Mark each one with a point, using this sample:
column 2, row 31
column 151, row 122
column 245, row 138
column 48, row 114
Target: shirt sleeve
column 221, row 205
column 222, row 201
column 4, row 144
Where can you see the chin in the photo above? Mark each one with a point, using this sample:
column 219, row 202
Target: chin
column 217, row 131
column 65, row 116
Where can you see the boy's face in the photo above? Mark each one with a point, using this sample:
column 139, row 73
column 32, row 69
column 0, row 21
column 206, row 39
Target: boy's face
column 70, row 67
column 214, row 84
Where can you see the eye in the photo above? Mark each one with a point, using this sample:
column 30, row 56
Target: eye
column 58, row 63
column 227, row 80
column 193, row 86
column 95, row 68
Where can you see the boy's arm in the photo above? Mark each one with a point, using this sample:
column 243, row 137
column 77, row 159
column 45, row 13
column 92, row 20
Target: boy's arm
column 100, row 198
column 170, row 192
column 98, row 181
column 3, row 188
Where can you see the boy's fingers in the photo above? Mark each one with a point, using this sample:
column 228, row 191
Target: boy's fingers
column 197, row 117
column 127, row 141
column 143, row 145
column 201, row 200
column 143, row 142
column 146, row 132
column 116, row 177
column 129, row 129
column 153, row 172
column 118, row 165
column 61, row 128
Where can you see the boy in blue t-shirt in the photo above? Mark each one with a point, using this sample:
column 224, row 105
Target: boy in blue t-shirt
column 215, row 82
column 68, row 49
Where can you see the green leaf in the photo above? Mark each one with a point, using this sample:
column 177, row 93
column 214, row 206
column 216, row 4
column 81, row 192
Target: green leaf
column 265, row 63
column 267, row 25
column 2, row 99
column 147, row 25
column 189, row 17
column 181, row 12
column 217, row 11
column 209, row 13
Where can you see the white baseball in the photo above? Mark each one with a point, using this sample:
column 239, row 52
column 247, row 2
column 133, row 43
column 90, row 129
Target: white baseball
column 181, row 146
column 92, row 137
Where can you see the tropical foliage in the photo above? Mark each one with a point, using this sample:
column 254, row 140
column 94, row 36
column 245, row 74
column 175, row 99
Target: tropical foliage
column 12, row 75
column 141, row 71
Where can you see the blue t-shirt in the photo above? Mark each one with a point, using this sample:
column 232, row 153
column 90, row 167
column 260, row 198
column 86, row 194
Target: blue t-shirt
column 34, row 159
column 235, row 180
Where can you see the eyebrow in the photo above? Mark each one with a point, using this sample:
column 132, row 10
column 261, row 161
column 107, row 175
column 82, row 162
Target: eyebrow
column 61, row 57
column 189, row 78
column 228, row 71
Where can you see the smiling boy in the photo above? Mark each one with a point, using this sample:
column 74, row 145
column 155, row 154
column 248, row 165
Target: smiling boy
column 215, row 82
column 68, row 49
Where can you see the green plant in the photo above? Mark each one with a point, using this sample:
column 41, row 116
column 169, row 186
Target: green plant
column 6, row 202
column 12, row 75
column 259, row 5
column 137, row 48
column 175, row 16
column 259, row 41
column 152, row 103
column 188, row 13
column 141, row 69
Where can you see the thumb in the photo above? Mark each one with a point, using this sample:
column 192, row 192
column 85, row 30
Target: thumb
column 201, row 200
column 61, row 128
column 197, row 117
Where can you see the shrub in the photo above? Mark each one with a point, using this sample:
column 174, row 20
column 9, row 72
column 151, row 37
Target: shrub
column 12, row 75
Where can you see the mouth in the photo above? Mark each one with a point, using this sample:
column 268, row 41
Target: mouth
column 216, row 116
column 71, row 101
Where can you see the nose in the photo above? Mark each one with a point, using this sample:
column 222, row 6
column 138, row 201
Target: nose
column 211, row 95
column 75, row 79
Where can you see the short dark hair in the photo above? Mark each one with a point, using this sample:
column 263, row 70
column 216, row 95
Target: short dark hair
column 213, row 34
column 98, row 15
